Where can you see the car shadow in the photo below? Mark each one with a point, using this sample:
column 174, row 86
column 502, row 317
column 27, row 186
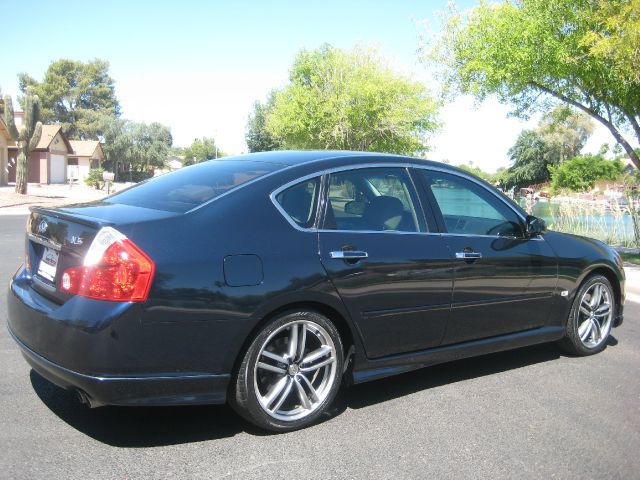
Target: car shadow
column 138, row 427
column 383, row 390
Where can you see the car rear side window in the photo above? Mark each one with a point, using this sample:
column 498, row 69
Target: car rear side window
column 299, row 202
column 192, row 186
column 373, row 199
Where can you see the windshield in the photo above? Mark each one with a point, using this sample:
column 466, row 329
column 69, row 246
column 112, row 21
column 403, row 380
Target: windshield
column 192, row 186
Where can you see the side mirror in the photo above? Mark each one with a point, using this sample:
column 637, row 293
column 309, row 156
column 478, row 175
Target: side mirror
column 535, row 226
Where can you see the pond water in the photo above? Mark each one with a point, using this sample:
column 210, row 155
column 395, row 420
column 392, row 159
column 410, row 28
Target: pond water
column 584, row 219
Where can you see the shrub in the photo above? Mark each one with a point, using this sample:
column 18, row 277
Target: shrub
column 581, row 172
column 94, row 179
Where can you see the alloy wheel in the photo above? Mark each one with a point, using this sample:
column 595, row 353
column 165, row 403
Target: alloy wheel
column 595, row 315
column 295, row 370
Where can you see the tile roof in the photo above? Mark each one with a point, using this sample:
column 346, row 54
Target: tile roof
column 84, row 148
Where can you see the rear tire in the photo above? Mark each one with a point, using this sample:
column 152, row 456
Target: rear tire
column 290, row 373
column 591, row 317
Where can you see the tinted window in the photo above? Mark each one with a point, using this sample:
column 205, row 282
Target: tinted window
column 300, row 202
column 373, row 199
column 468, row 208
column 189, row 187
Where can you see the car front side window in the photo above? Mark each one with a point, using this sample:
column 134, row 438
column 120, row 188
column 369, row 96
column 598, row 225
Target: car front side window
column 469, row 209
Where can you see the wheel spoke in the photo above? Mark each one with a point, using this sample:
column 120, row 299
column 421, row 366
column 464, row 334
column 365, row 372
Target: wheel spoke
column 273, row 356
column 302, row 340
column 603, row 310
column 275, row 391
column 585, row 310
column 596, row 331
column 584, row 330
column 596, row 296
column 271, row 368
column 293, row 340
column 312, row 391
column 302, row 395
column 316, row 354
column 285, row 394
column 315, row 367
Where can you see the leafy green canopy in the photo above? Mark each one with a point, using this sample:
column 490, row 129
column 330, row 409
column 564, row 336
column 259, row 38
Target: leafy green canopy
column 75, row 95
column 582, row 172
column 135, row 146
column 350, row 101
column 257, row 137
column 531, row 53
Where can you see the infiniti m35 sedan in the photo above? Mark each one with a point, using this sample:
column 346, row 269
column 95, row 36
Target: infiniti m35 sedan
column 267, row 280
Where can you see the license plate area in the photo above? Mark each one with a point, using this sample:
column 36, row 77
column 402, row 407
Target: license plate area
column 48, row 265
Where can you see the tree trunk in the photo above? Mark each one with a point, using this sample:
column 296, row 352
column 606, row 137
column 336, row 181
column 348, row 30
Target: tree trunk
column 22, row 171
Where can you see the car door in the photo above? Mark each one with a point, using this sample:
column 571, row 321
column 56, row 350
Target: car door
column 503, row 280
column 393, row 274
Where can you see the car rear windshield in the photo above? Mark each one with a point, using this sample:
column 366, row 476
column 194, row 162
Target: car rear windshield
column 192, row 186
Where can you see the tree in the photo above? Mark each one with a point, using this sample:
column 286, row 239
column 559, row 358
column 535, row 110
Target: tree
column 136, row 146
column 201, row 150
column 117, row 141
column 257, row 136
column 565, row 132
column 529, row 161
column 531, row 53
column 152, row 145
column 27, row 137
column 477, row 171
column 351, row 101
column 560, row 136
column 76, row 95
column 582, row 172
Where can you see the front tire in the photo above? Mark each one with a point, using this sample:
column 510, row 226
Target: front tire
column 290, row 373
column 591, row 317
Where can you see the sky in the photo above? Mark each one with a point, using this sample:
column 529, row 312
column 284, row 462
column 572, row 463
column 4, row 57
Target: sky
column 198, row 66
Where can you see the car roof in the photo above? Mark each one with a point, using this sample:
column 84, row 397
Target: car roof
column 301, row 157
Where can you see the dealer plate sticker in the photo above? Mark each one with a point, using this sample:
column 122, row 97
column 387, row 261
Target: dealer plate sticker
column 48, row 264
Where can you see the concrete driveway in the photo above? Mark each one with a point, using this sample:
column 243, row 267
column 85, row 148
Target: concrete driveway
column 528, row 413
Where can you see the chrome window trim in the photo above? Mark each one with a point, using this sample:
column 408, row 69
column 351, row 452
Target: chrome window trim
column 322, row 173
column 403, row 165
column 292, row 183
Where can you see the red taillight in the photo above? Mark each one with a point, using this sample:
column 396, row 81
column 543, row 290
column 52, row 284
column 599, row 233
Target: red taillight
column 123, row 272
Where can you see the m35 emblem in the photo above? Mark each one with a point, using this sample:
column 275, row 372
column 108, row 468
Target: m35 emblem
column 76, row 240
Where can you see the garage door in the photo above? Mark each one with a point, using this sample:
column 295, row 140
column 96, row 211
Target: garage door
column 58, row 172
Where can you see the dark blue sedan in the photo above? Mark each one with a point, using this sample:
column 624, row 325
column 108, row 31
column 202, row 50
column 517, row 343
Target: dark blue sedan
column 268, row 280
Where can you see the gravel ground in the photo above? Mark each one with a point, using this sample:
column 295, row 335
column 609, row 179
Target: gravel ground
column 529, row 413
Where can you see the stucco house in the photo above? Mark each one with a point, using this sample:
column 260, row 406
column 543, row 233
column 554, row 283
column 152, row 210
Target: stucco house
column 87, row 154
column 48, row 162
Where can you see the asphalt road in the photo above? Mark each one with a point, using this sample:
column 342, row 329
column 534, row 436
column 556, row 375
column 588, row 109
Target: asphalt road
column 528, row 413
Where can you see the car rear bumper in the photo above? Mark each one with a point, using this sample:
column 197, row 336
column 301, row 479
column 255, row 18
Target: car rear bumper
column 101, row 354
column 169, row 389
